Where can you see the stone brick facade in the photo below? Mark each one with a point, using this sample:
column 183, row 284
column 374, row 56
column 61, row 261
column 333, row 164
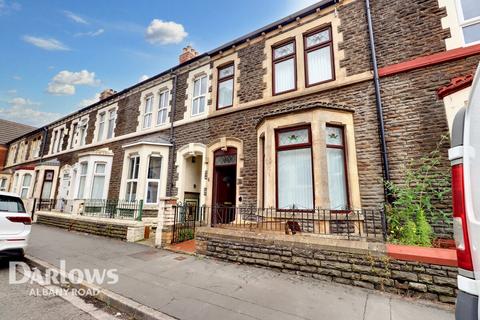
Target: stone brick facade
column 251, row 72
column 362, row 266
column 414, row 117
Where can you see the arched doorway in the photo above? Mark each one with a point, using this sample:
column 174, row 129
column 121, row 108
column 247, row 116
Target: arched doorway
column 224, row 185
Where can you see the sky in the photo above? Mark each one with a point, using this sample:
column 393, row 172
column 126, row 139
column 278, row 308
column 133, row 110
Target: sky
column 56, row 56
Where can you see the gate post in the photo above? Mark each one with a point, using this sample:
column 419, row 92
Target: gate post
column 166, row 216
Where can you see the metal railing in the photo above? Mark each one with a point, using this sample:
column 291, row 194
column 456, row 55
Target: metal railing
column 58, row 205
column 101, row 208
column 348, row 224
column 186, row 218
column 113, row 209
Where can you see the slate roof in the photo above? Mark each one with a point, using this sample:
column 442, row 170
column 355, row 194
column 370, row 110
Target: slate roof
column 10, row 130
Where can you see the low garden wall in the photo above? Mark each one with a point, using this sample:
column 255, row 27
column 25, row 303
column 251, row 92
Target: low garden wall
column 125, row 230
column 359, row 263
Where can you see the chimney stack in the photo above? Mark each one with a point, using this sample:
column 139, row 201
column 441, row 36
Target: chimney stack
column 107, row 93
column 187, row 54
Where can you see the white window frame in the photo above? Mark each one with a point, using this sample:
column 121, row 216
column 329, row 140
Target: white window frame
column 148, row 180
column 148, row 111
column 111, row 121
column 82, row 132
column 465, row 23
column 95, row 174
column 80, row 176
column 23, row 187
column 129, row 181
column 163, row 100
column 204, row 95
column 3, row 184
column 36, row 147
column 101, row 125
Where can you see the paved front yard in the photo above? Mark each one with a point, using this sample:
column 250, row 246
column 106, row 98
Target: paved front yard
column 189, row 287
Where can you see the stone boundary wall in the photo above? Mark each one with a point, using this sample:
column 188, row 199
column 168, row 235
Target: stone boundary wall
column 124, row 231
column 357, row 263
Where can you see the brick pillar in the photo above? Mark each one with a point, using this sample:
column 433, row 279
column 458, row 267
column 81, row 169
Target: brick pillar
column 166, row 217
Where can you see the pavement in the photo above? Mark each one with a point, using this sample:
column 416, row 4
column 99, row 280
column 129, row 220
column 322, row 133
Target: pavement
column 190, row 287
column 18, row 302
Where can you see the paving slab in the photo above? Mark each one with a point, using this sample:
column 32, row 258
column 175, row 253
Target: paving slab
column 190, row 287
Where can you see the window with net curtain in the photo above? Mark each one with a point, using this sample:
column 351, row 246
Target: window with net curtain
column 199, row 95
column 98, row 184
column 337, row 175
column 318, row 56
column 147, row 116
column 294, row 169
column 132, row 178
column 82, row 179
column 153, row 179
column 27, row 179
column 225, row 86
column 284, row 68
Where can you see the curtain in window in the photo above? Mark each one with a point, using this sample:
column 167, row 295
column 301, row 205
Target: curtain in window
column 153, row 179
column 319, row 65
column 284, row 75
column 27, row 179
column 97, row 189
column 337, row 186
column 47, row 188
column 225, row 97
column 295, row 188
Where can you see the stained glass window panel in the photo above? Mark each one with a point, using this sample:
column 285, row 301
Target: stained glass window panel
column 226, row 159
column 318, row 38
column 334, row 136
column 293, row 137
column 226, row 72
column 284, row 50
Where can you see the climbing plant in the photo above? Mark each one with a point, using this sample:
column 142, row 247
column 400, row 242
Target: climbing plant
column 418, row 199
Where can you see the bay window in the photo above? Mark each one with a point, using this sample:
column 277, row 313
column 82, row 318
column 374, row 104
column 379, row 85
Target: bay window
column 199, row 95
column 99, row 176
column 337, row 169
column 153, row 179
column 147, row 115
column 162, row 108
column 82, row 180
column 294, row 168
column 27, row 180
column 469, row 17
column 284, row 68
column 225, row 86
column 132, row 179
column 112, row 116
column 318, row 56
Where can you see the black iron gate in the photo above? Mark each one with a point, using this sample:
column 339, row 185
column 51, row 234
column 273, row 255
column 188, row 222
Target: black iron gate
column 187, row 217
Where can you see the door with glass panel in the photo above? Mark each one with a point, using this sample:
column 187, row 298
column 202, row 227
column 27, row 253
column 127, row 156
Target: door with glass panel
column 224, row 186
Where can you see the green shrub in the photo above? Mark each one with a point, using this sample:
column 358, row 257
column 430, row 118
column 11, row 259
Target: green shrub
column 185, row 234
column 417, row 199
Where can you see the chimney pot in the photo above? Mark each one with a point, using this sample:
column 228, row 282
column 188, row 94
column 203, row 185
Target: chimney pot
column 188, row 53
column 107, row 93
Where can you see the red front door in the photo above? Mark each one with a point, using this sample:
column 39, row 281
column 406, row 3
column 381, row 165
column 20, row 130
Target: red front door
column 224, row 186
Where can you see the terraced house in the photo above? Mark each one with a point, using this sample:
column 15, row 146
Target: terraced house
column 309, row 114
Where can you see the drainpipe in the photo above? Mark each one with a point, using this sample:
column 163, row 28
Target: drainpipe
column 172, row 130
column 378, row 102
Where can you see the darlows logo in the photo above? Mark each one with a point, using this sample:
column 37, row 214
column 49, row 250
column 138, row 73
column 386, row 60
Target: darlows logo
column 61, row 276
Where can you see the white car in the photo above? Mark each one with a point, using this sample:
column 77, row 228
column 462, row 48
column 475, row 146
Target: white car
column 465, row 159
column 15, row 225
